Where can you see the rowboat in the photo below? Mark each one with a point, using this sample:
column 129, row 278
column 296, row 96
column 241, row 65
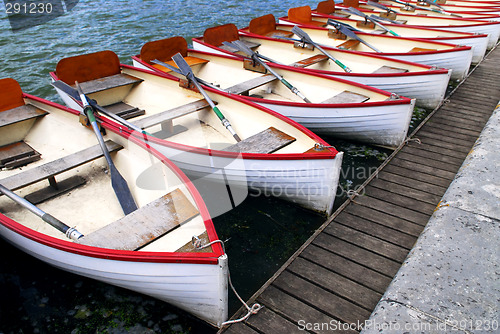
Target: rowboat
column 478, row 42
column 473, row 8
column 454, row 57
column 426, row 84
column 265, row 152
column 489, row 27
column 148, row 249
column 337, row 107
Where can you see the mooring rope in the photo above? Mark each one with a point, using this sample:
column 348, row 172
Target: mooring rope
column 250, row 310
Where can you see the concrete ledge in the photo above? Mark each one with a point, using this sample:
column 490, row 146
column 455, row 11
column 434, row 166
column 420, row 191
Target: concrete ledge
column 450, row 281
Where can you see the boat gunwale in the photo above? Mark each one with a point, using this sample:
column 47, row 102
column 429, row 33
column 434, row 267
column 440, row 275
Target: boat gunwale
column 400, row 100
column 453, row 47
column 430, row 70
column 330, row 152
column 126, row 255
column 473, row 22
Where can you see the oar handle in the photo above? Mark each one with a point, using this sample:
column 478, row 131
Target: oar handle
column 70, row 232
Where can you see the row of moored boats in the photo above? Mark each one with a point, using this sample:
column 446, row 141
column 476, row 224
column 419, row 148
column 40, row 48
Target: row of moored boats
column 99, row 188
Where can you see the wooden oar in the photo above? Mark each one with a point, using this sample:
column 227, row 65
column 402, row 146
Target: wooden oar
column 186, row 70
column 118, row 183
column 308, row 40
column 354, row 11
column 380, row 6
column 70, row 232
column 245, row 49
column 343, row 28
column 385, row 19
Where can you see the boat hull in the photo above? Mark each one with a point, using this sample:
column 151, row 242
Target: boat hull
column 200, row 289
column 385, row 125
column 278, row 175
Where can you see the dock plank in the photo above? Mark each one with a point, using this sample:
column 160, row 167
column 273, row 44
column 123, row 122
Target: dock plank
column 347, row 265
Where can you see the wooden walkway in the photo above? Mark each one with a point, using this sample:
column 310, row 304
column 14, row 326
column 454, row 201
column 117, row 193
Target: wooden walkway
column 341, row 272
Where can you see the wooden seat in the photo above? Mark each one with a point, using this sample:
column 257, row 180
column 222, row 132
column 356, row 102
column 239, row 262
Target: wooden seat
column 171, row 114
column 303, row 15
column 224, row 33
column 124, row 110
column 104, row 83
column 310, row 61
column 164, row 49
column 20, row 114
column 347, row 97
column 266, row 26
column 390, row 69
column 244, row 87
column 17, row 154
column 328, row 7
column 267, row 141
column 417, row 49
column 143, row 225
column 53, row 168
column 349, row 44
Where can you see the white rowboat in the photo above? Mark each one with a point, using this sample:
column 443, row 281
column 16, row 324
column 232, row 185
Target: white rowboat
column 339, row 108
column 148, row 250
column 274, row 151
column 426, row 84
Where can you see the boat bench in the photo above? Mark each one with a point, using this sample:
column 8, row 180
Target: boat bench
column 143, row 225
column 14, row 152
column 192, row 61
column 349, row 44
column 310, row 61
column 244, row 87
column 267, row 141
column 104, row 83
column 50, row 169
column 390, row 69
column 20, row 114
column 121, row 109
column 171, row 114
column 347, row 97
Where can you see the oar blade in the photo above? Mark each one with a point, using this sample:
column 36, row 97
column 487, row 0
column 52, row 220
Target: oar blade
column 67, row 89
column 182, row 64
column 122, row 191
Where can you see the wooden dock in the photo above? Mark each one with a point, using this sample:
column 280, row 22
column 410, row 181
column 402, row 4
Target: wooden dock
column 338, row 276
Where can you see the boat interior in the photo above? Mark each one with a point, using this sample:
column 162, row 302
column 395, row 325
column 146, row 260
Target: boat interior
column 51, row 160
column 170, row 107
column 248, row 78
column 304, row 55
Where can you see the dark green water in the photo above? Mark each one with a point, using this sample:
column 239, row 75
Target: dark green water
column 261, row 233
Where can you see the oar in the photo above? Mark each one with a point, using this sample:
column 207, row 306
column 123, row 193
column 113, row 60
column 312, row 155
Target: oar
column 76, row 95
column 70, row 232
column 188, row 73
column 432, row 3
column 245, row 49
column 380, row 6
column 425, row 8
column 176, row 70
column 350, row 33
column 307, row 39
column 354, row 11
column 118, row 183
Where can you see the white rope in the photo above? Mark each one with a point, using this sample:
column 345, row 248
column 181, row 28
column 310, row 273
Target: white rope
column 319, row 146
column 250, row 310
column 408, row 140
